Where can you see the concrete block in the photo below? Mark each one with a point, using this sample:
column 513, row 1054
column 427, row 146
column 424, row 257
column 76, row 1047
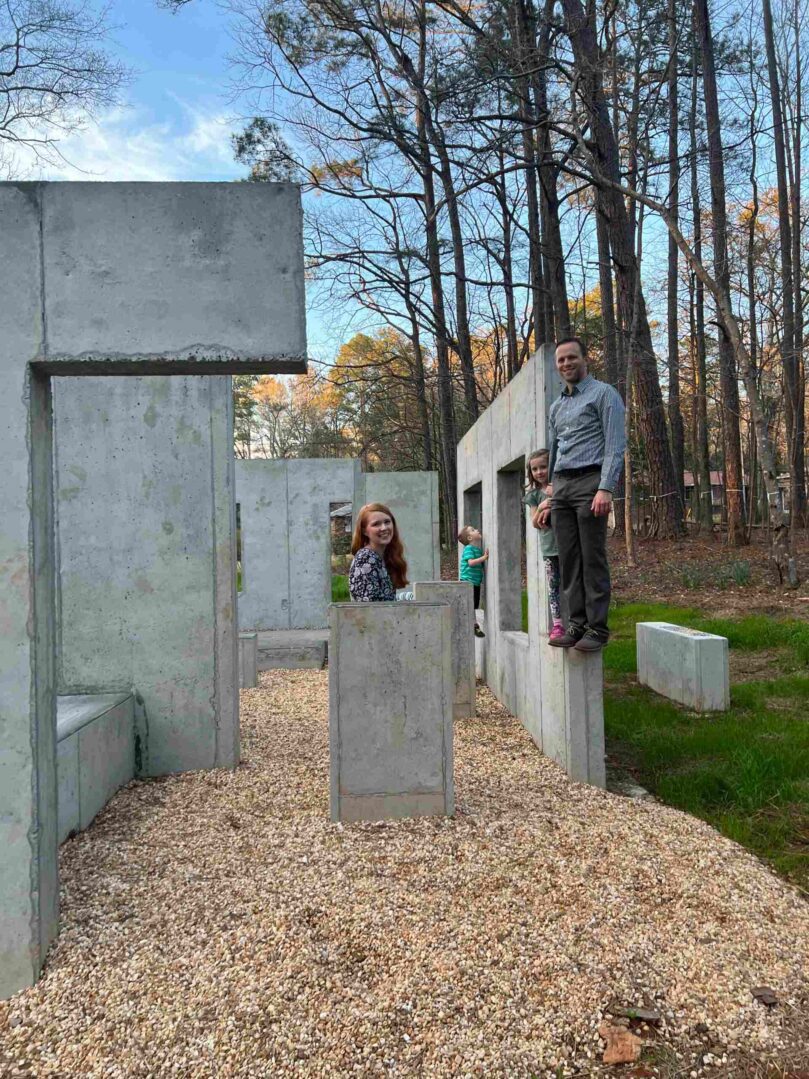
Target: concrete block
column 390, row 710
column 213, row 274
column 292, row 649
column 458, row 594
column 248, row 660
column 685, row 665
column 95, row 754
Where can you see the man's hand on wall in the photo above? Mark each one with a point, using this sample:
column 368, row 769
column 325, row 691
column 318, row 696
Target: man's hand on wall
column 601, row 503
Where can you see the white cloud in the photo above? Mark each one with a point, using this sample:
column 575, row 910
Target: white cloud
column 127, row 144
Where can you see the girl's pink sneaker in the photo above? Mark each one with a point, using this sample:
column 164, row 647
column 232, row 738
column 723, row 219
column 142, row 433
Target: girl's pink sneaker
column 557, row 632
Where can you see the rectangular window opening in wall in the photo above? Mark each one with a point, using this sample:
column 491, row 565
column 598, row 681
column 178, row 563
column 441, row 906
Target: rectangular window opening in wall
column 341, row 525
column 239, row 562
column 510, row 555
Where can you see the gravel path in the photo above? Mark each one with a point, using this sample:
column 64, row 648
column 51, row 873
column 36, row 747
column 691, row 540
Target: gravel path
column 217, row 924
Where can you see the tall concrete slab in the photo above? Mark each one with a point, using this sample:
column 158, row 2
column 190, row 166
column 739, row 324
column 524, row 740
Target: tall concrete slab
column 412, row 498
column 286, row 539
column 390, row 710
column 116, row 279
column 458, row 595
column 557, row 696
column 144, row 496
column 286, row 536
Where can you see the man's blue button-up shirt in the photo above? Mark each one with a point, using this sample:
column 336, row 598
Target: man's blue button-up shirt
column 587, row 428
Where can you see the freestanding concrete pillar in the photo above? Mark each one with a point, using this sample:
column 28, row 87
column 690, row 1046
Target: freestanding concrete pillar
column 390, row 710
column 458, row 594
column 248, row 660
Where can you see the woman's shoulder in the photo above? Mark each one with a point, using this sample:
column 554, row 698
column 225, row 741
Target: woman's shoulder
column 365, row 556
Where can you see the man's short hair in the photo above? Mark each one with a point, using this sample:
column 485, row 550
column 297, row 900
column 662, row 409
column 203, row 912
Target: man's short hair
column 463, row 535
column 569, row 340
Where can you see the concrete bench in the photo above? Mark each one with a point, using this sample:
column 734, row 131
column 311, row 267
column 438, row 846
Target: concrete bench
column 458, row 594
column 248, row 660
column 95, row 754
column 685, row 665
column 390, row 710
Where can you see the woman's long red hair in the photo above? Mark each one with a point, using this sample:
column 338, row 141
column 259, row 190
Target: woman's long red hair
column 394, row 552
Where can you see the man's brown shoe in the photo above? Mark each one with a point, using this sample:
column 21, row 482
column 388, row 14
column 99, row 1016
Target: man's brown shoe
column 590, row 642
column 568, row 639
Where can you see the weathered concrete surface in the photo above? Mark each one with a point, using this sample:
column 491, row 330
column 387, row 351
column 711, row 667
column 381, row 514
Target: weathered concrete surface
column 685, row 665
column 95, row 738
column 458, row 594
column 248, row 660
column 114, row 278
column 556, row 694
column 292, row 649
column 412, row 498
column 144, row 500
column 390, row 710
column 286, row 537
column 202, row 275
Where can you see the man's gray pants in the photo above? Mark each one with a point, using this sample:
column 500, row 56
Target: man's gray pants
column 581, row 538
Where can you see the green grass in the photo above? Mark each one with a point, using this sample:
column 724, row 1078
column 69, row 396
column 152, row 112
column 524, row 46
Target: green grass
column 339, row 589
column 745, row 771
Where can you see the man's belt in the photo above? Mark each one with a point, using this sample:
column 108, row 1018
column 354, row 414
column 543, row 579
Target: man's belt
column 566, row 472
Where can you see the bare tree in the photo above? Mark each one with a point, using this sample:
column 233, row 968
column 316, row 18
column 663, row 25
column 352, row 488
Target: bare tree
column 53, row 72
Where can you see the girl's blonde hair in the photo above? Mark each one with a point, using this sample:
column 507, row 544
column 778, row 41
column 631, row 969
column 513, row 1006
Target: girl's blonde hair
column 531, row 484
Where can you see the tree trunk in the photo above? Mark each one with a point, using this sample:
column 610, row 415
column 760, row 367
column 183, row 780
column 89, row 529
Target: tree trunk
column 548, row 178
column 733, row 478
column 702, row 462
column 667, row 515
column 675, row 412
column 448, row 435
column 525, row 34
column 789, row 359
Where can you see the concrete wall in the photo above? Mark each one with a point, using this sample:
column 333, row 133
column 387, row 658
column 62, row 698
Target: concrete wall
column 105, row 278
column 412, row 498
column 146, row 553
column 286, row 537
column 685, row 665
column 390, row 710
column 556, row 693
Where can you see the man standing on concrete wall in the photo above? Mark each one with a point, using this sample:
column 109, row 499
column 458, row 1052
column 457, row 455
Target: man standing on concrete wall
column 586, row 440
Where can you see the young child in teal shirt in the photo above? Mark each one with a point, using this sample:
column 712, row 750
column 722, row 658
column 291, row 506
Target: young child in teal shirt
column 473, row 559
column 537, row 475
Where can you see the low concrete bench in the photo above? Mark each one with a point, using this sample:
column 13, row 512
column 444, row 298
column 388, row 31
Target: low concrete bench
column 685, row 665
column 248, row 660
column 292, row 649
column 95, row 754
column 458, row 594
column 390, row 710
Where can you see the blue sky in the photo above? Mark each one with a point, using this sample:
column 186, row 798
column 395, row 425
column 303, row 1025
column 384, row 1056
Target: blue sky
column 176, row 116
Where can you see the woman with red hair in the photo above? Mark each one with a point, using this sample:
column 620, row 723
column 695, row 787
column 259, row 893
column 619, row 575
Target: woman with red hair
column 379, row 566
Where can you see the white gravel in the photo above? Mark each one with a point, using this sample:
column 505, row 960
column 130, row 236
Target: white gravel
column 217, row 924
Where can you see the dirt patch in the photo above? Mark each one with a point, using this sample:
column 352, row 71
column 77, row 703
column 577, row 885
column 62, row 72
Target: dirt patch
column 702, row 571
